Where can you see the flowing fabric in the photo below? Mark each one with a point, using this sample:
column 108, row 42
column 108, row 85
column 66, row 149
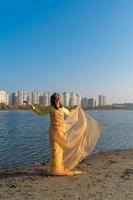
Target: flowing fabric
column 72, row 139
column 80, row 137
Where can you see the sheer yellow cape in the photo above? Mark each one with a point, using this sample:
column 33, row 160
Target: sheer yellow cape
column 80, row 137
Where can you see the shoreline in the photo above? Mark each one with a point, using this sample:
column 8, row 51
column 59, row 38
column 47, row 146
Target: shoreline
column 108, row 176
column 19, row 109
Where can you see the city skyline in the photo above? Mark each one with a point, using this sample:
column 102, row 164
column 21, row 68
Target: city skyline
column 80, row 46
column 88, row 97
column 18, row 98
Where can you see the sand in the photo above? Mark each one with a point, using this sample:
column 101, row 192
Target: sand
column 108, row 176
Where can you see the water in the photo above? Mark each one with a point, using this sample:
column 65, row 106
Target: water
column 24, row 135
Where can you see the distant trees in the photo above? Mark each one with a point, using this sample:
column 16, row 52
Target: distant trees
column 107, row 107
column 3, row 106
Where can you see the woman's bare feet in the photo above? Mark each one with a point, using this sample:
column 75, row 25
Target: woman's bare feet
column 76, row 172
column 63, row 173
column 66, row 172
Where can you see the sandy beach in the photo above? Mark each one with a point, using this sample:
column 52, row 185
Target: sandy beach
column 108, row 176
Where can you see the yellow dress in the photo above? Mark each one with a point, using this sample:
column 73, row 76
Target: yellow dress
column 71, row 140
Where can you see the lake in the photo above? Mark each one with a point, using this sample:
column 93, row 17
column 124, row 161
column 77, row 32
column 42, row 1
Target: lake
column 24, row 135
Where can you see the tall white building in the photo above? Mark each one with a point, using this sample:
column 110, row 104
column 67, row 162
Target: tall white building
column 4, row 97
column 70, row 99
column 46, row 98
column 73, row 99
column 102, row 100
column 22, row 96
column 7, row 99
column 66, row 97
column 62, row 98
column 35, row 97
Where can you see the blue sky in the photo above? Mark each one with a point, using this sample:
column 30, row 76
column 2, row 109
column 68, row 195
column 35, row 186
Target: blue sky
column 84, row 46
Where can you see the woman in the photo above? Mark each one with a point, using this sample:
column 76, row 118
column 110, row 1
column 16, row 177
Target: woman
column 71, row 140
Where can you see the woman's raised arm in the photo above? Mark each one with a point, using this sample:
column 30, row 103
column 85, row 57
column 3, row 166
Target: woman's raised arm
column 41, row 110
column 38, row 109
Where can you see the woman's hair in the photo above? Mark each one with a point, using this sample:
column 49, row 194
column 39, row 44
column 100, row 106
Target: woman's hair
column 54, row 99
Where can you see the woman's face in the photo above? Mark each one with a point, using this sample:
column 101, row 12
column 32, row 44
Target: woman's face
column 58, row 100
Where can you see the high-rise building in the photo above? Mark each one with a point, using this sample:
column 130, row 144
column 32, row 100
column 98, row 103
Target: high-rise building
column 84, row 102
column 14, row 98
column 7, row 99
column 105, row 101
column 62, row 98
column 102, row 100
column 22, row 96
column 4, row 97
column 73, row 99
column 46, row 98
column 78, row 99
column 28, row 98
column 91, row 102
column 35, row 97
column 41, row 100
column 10, row 99
column 66, row 97
column 95, row 103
